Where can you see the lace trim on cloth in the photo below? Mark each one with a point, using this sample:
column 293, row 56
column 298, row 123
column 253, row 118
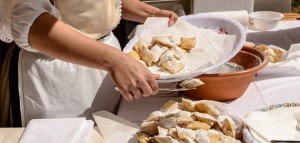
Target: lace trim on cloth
column 5, row 30
column 119, row 12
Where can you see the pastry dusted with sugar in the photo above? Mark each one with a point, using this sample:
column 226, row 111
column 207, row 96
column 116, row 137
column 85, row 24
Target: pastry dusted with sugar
column 178, row 52
column 166, row 56
column 173, row 66
column 146, row 55
column 188, row 43
column 162, row 40
column 191, row 84
column 178, row 123
column 157, row 52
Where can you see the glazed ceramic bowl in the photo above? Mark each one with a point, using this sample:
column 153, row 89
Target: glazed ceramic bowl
column 265, row 20
column 229, row 86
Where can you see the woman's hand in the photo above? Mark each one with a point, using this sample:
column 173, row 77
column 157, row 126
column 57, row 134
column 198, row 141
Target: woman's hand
column 136, row 10
column 132, row 78
column 166, row 13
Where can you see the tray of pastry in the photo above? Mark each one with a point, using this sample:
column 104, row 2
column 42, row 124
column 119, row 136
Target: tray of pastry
column 191, row 122
column 193, row 46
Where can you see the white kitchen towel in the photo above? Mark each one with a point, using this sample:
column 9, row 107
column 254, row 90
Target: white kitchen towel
column 66, row 130
column 115, row 129
column 277, row 124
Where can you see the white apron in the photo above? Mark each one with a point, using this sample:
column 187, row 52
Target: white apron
column 51, row 88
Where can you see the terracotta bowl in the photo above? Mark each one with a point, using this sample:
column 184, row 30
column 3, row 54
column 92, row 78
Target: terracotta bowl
column 229, row 86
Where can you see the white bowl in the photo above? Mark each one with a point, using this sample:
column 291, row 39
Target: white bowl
column 205, row 20
column 265, row 20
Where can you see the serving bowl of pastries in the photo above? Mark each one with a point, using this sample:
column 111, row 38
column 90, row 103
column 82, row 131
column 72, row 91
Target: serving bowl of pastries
column 191, row 122
column 193, row 46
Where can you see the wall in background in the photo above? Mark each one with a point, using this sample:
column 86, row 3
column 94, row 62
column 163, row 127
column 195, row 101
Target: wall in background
column 201, row 6
column 283, row 6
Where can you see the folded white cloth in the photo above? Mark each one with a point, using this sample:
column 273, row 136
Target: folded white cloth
column 115, row 129
column 67, row 130
column 277, row 124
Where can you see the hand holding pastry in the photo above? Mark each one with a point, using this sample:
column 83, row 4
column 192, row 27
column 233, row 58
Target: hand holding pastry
column 132, row 78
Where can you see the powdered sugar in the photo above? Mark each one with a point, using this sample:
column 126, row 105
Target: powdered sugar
column 227, row 68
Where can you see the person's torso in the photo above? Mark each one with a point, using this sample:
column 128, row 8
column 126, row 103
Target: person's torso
column 93, row 18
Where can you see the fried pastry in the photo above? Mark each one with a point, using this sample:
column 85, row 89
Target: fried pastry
column 135, row 55
column 178, row 52
column 206, row 108
column 173, row 66
column 214, row 138
column 163, row 40
column 184, row 114
column 227, row 125
column 203, row 117
column 143, row 138
column 155, row 116
column 279, row 55
column 188, row 104
column 146, row 55
column 202, row 137
column 152, row 140
column 175, row 123
column 186, row 133
column 184, row 120
column 173, row 132
column 191, row 84
column 174, row 40
column 171, row 113
column 157, row 52
column 188, row 140
column 227, row 139
column 188, row 43
column 162, row 132
column 196, row 125
column 138, row 46
column 170, row 106
column 184, row 117
column 166, row 56
column 169, row 122
column 166, row 139
column 150, row 128
column 262, row 48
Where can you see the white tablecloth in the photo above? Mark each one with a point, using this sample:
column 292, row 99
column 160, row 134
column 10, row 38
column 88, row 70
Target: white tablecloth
column 272, row 85
column 13, row 135
column 286, row 34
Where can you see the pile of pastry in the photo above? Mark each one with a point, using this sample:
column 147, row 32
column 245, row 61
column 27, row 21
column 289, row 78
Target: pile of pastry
column 164, row 52
column 188, row 122
column 273, row 53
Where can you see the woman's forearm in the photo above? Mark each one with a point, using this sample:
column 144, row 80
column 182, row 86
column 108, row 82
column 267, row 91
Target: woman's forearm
column 52, row 37
column 136, row 10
